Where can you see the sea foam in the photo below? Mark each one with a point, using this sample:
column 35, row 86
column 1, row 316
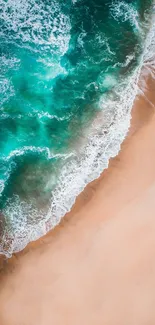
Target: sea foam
column 102, row 141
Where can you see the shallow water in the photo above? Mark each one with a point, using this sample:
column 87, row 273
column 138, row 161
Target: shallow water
column 66, row 68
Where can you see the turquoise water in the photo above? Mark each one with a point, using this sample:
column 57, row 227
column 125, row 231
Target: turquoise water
column 61, row 62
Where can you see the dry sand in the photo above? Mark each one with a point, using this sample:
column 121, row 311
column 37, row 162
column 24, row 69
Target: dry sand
column 98, row 266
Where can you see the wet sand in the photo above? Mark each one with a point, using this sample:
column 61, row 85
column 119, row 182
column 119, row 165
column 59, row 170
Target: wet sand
column 98, row 266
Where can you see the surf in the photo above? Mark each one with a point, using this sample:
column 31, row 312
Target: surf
column 69, row 79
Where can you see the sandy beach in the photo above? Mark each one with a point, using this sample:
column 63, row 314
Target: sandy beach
column 98, row 266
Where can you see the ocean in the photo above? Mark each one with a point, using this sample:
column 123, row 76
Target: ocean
column 68, row 79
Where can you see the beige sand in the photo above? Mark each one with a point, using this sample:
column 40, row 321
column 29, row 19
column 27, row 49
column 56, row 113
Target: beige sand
column 98, row 266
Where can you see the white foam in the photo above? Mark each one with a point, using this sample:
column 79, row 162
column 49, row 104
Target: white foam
column 120, row 10
column 53, row 68
column 2, row 186
column 115, row 119
column 108, row 81
column 33, row 149
column 6, row 89
column 8, row 63
column 81, row 38
column 129, row 58
column 91, row 160
column 33, row 21
column 48, row 115
column 6, row 175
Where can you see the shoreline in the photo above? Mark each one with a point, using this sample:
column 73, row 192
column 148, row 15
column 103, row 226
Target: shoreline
column 60, row 205
column 139, row 119
column 97, row 266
